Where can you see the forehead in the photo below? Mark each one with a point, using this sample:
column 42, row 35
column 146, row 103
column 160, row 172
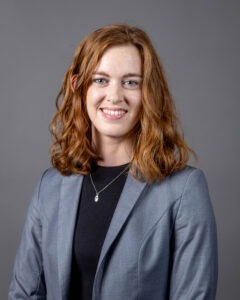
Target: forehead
column 124, row 58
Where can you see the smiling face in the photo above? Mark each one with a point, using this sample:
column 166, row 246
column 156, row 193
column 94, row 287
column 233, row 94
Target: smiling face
column 114, row 95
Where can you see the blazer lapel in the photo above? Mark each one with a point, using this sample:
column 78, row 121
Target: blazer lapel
column 68, row 205
column 131, row 192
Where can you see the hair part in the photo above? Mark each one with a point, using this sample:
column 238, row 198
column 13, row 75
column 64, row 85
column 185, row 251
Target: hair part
column 159, row 149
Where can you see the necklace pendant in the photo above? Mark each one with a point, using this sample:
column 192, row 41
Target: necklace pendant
column 96, row 198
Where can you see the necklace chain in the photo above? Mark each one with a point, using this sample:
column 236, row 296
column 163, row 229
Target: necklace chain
column 96, row 198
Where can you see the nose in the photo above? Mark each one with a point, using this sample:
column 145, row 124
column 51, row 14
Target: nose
column 114, row 93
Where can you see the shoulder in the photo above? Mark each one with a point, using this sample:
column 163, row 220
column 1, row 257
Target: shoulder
column 176, row 184
column 189, row 179
column 190, row 184
column 194, row 200
column 180, row 178
column 180, row 192
column 185, row 193
column 51, row 186
column 51, row 175
column 52, row 179
column 185, row 196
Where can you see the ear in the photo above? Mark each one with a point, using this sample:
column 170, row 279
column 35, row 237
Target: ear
column 73, row 82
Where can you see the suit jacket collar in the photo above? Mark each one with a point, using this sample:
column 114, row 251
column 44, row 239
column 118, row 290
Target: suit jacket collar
column 68, row 206
column 129, row 196
column 69, row 198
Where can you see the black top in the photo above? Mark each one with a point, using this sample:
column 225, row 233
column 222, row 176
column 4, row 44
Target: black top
column 92, row 223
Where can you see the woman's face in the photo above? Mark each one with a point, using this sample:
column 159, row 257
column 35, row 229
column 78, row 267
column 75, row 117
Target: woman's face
column 114, row 95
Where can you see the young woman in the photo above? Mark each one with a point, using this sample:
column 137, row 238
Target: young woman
column 120, row 215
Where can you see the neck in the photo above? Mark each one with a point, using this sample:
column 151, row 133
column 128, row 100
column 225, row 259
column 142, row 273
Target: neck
column 113, row 152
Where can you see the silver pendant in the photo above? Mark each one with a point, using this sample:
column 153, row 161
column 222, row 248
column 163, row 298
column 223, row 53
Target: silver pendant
column 96, row 198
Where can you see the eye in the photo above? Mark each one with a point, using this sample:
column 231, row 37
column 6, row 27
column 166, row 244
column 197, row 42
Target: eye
column 131, row 84
column 100, row 81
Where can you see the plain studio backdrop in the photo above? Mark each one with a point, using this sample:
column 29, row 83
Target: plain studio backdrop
column 199, row 44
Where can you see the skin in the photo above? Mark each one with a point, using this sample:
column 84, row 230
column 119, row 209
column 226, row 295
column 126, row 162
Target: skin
column 114, row 102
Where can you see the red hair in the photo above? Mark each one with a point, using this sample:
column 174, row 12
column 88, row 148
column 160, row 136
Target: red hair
column 159, row 146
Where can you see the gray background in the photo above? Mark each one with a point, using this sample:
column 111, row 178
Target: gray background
column 199, row 43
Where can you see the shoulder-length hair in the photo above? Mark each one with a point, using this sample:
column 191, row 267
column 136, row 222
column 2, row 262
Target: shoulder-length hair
column 159, row 148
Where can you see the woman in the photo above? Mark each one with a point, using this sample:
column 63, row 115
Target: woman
column 121, row 215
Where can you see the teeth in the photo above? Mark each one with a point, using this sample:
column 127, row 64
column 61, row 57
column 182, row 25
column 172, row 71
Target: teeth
column 113, row 112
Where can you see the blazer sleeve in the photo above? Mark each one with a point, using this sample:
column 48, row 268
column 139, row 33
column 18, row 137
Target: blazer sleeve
column 194, row 260
column 28, row 274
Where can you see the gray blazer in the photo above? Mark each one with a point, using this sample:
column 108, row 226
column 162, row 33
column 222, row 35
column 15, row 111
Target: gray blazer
column 161, row 243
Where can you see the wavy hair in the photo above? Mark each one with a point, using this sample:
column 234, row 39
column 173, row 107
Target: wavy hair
column 159, row 149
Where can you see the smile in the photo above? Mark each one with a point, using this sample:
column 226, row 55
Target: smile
column 115, row 112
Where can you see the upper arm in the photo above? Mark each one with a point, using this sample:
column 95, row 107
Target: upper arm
column 194, row 260
column 28, row 275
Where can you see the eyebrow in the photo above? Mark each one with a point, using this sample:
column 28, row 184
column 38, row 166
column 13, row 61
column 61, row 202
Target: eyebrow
column 124, row 76
column 132, row 75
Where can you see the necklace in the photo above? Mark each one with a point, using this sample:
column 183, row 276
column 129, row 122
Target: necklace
column 96, row 198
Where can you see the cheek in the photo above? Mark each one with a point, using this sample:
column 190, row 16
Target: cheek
column 94, row 94
column 136, row 110
column 91, row 98
column 89, row 105
column 138, row 107
column 138, row 103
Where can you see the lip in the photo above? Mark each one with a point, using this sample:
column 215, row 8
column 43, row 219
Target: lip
column 115, row 113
